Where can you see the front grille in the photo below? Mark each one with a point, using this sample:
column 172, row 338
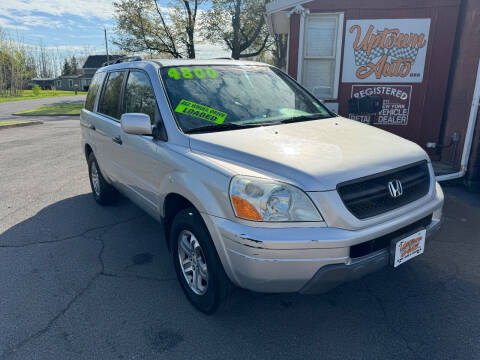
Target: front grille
column 370, row 196
column 383, row 242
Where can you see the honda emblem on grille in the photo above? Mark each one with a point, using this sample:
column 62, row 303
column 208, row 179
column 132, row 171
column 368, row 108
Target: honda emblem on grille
column 395, row 188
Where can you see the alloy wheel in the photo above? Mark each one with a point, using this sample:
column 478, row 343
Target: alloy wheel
column 192, row 262
column 95, row 178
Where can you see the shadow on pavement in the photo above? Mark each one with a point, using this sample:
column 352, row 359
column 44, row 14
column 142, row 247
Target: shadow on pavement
column 130, row 303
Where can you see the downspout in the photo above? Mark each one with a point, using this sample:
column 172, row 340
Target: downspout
column 467, row 146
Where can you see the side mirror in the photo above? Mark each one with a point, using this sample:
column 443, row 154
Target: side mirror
column 136, row 124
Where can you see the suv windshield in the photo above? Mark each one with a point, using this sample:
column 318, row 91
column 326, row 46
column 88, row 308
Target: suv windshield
column 214, row 98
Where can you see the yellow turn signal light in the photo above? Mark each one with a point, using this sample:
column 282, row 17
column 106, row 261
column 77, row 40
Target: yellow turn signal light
column 245, row 210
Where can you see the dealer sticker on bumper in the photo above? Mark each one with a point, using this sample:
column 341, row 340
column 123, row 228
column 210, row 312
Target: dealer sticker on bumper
column 409, row 247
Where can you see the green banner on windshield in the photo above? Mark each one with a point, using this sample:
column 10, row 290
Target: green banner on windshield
column 200, row 111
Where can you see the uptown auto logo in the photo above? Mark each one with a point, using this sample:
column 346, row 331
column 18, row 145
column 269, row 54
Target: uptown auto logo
column 387, row 52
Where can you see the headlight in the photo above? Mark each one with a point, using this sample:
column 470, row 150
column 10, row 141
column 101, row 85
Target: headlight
column 268, row 200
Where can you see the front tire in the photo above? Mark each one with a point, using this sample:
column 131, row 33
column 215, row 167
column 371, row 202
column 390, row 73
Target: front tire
column 103, row 192
column 196, row 262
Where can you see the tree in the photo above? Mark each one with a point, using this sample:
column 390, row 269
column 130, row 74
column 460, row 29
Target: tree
column 16, row 65
column 279, row 50
column 47, row 60
column 142, row 25
column 67, row 69
column 74, row 66
column 240, row 24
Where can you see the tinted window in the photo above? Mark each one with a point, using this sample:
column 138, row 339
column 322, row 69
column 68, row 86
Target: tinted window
column 139, row 95
column 109, row 102
column 93, row 90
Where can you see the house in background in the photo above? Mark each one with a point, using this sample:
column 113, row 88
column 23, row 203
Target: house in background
column 420, row 56
column 44, row 83
column 69, row 82
column 81, row 81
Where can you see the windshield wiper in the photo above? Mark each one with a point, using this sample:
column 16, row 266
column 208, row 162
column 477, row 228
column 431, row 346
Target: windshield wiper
column 219, row 127
column 236, row 126
column 305, row 118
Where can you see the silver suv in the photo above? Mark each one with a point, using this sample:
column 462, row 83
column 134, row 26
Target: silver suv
column 257, row 183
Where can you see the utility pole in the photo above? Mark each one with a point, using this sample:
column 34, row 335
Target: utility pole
column 106, row 43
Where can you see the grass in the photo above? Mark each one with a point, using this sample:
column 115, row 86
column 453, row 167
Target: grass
column 3, row 123
column 63, row 109
column 28, row 95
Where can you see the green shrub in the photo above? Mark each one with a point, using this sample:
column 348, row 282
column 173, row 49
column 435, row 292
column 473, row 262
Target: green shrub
column 36, row 90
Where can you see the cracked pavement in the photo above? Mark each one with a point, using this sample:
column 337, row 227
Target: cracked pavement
column 80, row 281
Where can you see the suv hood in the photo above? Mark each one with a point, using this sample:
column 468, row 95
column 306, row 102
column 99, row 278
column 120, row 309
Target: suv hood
column 314, row 155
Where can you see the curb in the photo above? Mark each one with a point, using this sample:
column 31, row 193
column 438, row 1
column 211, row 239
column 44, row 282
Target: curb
column 21, row 124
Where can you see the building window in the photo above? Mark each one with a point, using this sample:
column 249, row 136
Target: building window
column 70, row 83
column 320, row 70
column 59, row 83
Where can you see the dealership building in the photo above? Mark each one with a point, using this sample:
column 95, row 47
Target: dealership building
column 421, row 57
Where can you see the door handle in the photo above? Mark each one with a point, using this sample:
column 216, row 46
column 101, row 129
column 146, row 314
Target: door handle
column 88, row 126
column 117, row 140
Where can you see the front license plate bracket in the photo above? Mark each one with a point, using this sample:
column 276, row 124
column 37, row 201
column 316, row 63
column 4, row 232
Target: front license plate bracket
column 407, row 247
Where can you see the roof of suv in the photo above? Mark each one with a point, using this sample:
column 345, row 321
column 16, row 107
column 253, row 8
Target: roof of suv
column 180, row 62
column 183, row 62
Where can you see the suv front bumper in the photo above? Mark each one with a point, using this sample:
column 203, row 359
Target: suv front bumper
column 307, row 259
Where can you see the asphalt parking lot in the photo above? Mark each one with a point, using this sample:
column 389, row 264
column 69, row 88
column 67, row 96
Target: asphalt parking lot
column 80, row 281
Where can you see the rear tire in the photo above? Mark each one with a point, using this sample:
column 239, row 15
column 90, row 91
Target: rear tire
column 103, row 192
column 193, row 251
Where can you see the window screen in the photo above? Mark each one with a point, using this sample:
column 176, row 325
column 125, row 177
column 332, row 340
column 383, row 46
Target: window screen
column 319, row 60
column 321, row 34
column 93, row 90
column 109, row 102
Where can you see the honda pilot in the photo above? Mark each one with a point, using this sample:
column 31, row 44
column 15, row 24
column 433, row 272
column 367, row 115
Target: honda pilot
column 257, row 184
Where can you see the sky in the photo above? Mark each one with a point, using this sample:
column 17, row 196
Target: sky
column 73, row 26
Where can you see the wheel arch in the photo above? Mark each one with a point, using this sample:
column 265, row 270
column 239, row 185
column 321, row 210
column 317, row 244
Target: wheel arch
column 88, row 150
column 172, row 205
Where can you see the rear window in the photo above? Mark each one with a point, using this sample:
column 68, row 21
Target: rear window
column 110, row 100
column 93, row 90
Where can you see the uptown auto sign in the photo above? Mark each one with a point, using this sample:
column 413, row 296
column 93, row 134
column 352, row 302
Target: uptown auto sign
column 385, row 50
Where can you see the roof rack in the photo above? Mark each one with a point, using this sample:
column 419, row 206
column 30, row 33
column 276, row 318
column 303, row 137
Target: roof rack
column 122, row 59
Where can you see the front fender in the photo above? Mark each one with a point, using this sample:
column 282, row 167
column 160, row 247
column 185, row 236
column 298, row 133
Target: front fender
column 209, row 194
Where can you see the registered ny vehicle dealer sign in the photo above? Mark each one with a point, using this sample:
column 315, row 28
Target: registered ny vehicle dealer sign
column 409, row 247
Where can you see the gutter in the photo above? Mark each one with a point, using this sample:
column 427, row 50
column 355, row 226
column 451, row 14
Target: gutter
column 467, row 146
column 279, row 5
column 276, row 6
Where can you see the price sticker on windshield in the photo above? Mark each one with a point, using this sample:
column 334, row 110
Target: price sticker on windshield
column 200, row 111
column 187, row 73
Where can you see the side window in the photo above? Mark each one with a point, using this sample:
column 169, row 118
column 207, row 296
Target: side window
column 139, row 96
column 93, row 90
column 109, row 102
